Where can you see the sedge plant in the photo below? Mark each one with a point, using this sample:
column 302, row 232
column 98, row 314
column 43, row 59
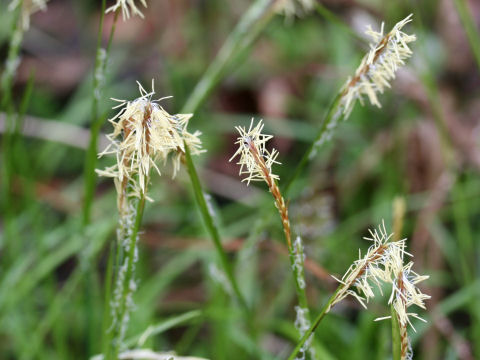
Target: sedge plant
column 144, row 134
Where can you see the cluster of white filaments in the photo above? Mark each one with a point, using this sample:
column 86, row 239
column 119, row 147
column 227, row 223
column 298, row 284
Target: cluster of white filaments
column 384, row 263
column 128, row 8
column 291, row 8
column 298, row 262
column 28, row 8
column 378, row 67
column 387, row 53
column 147, row 134
column 405, row 292
column 302, row 324
column 255, row 160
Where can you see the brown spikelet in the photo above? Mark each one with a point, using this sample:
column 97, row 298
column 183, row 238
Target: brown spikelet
column 275, row 190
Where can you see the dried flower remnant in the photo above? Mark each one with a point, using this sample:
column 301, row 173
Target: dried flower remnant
column 29, row 7
column 128, row 7
column 302, row 324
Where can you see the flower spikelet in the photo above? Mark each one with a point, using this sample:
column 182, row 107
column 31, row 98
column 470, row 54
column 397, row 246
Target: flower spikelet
column 370, row 270
column 144, row 133
column 255, row 160
column 405, row 292
column 28, row 8
column 387, row 53
column 128, row 7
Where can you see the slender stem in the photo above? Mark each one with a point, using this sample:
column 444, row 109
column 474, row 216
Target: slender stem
column 330, row 16
column 396, row 341
column 333, row 115
column 211, row 227
column 127, row 289
column 295, row 254
column 97, row 121
column 108, row 294
column 250, row 25
column 244, row 34
column 326, row 308
column 469, row 27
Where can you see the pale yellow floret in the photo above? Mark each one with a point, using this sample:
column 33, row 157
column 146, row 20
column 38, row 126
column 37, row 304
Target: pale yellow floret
column 143, row 134
column 28, row 8
column 378, row 67
column 128, row 8
column 255, row 160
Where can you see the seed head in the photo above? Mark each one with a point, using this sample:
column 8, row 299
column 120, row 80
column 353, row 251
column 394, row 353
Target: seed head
column 28, row 8
column 387, row 53
column 255, row 160
column 143, row 133
column 127, row 6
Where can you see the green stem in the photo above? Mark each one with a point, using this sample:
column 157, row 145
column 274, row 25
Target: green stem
column 316, row 322
column 330, row 16
column 332, row 117
column 115, row 340
column 6, row 84
column 396, row 340
column 211, row 227
column 244, row 34
column 97, row 121
column 250, row 25
column 469, row 27
column 12, row 61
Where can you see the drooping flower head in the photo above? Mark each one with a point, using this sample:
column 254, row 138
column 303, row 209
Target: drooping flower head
column 144, row 133
column 128, row 7
column 255, row 160
column 387, row 53
column 28, row 8
column 370, row 270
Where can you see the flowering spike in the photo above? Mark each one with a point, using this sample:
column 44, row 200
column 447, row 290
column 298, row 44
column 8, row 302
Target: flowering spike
column 387, row 53
column 255, row 160
column 147, row 134
column 369, row 269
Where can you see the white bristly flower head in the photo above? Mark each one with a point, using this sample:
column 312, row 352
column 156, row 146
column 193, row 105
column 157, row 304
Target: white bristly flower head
column 405, row 292
column 387, row 53
column 128, row 7
column 28, row 8
column 255, row 160
column 143, row 134
column 290, row 8
column 370, row 270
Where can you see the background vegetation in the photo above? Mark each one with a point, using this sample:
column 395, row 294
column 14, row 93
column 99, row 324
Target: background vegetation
column 422, row 145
